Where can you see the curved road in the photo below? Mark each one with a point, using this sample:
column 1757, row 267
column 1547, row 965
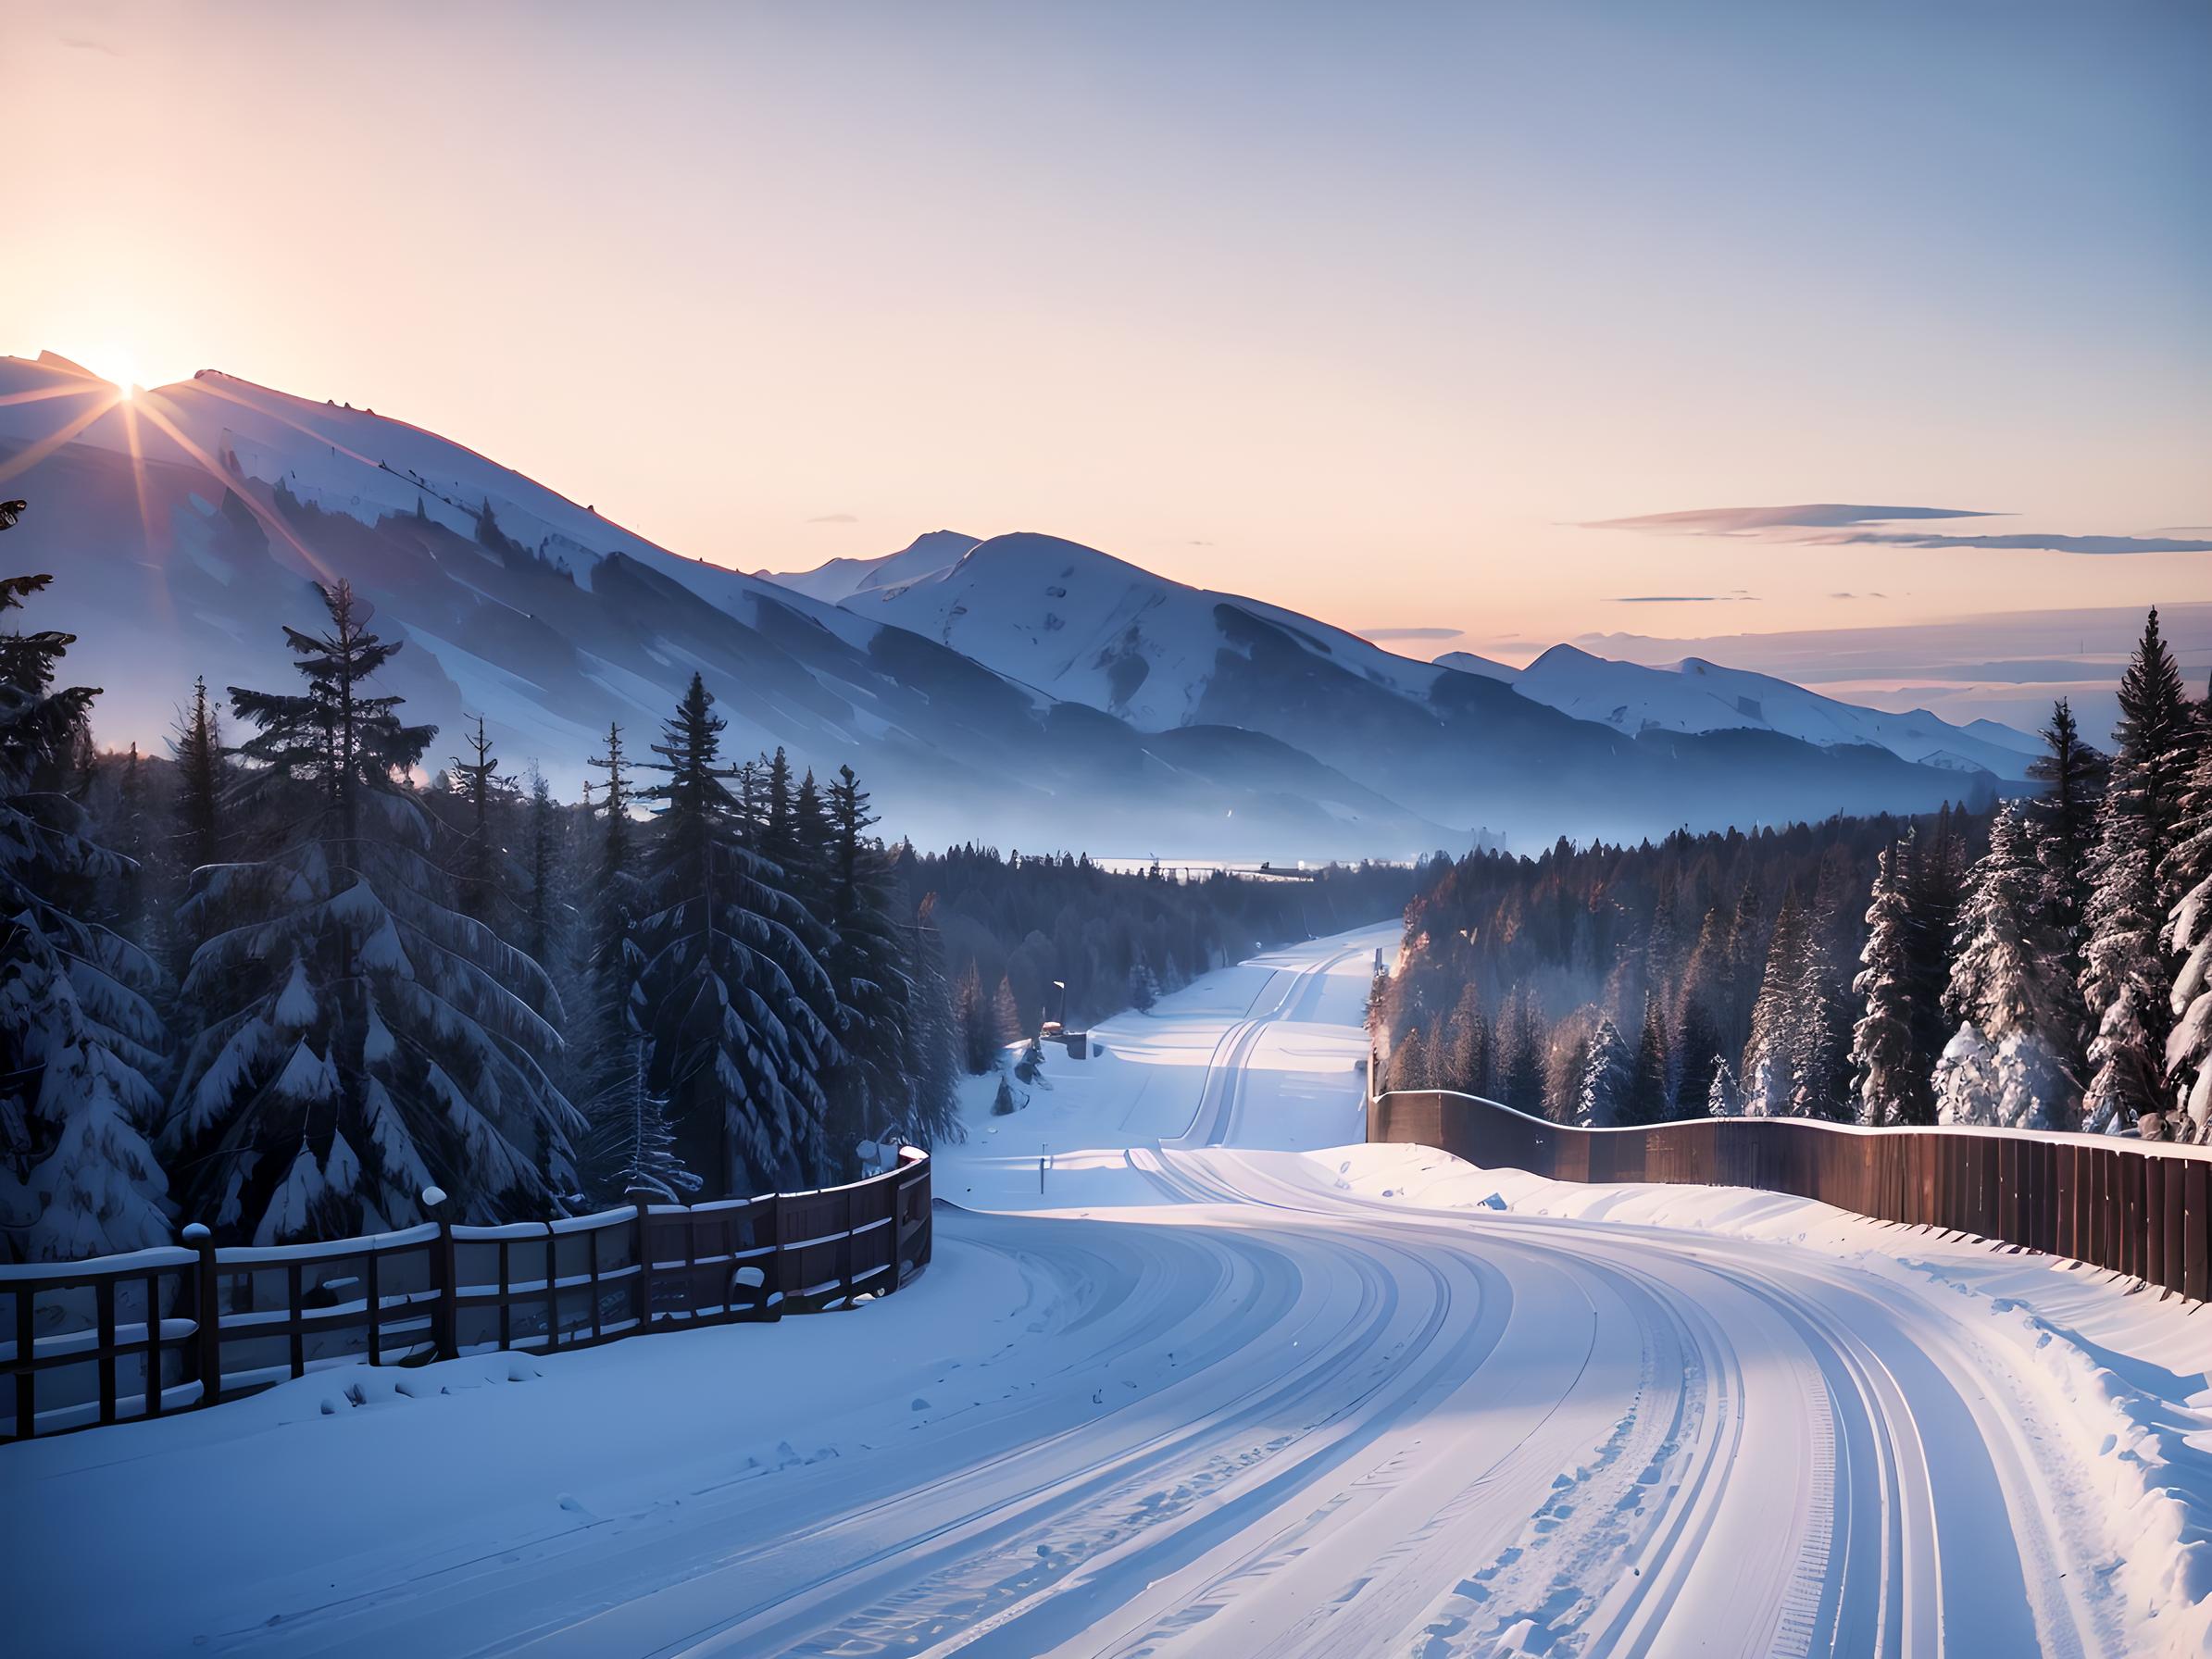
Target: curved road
column 1215, row 1401
column 1259, row 1415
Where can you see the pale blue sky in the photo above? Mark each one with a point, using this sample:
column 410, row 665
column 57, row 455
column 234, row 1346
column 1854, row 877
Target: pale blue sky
column 1360, row 308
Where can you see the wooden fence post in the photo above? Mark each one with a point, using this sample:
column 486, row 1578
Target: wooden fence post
column 207, row 1334
column 644, row 1265
column 445, row 1323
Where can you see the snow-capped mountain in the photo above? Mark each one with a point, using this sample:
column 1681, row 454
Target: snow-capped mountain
column 1697, row 695
column 183, row 529
column 841, row 579
column 1454, row 740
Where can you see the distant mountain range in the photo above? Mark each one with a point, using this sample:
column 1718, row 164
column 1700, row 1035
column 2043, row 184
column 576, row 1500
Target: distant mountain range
column 1461, row 738
column 1022, row 691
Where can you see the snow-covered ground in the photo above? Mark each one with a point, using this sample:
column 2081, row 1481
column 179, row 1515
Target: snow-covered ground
column 1229, row 1385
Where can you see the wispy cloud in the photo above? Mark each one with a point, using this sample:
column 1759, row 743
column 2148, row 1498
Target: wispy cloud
column 1687, row 599
column 1752, row 521
column 834, row 519
column 1837, row 525
column 1409, row 633
column 2022, row 543
column 76, row 42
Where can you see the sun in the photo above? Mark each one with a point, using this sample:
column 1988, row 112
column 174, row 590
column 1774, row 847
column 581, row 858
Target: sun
column 117, row 364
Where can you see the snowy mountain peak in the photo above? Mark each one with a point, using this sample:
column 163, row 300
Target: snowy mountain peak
column 837, row 579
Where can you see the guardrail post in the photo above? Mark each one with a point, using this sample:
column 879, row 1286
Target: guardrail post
column 447, row 1322
column 207, row 1333
column 644, row 1262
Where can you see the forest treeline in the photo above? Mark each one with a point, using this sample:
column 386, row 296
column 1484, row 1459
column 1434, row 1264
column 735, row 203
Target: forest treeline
column 2043, row 966
column 314, row 960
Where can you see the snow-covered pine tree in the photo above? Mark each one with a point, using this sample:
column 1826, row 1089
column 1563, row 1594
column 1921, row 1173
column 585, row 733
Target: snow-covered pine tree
column 1965, row 1083
column 978, row 1032
column 2126, row 978
column 1931, row 872
column 933, row 1057
column 2063, row 818
column 1724, row 1098
column 1698, row 1057
column 1771, row 1055
column 1819, row 1038
column 735, row 996
column 869, row 968
column 541, row 910
column 362, row 1039
column 203, row 780
column 480, row 867
column 1143, row 986
column 1463, row 1062
column 1891, row 1080
column 2188, row 935
column 1606, row 1073
column 1520, row 1078
column 1006, row 1014
column 2001, row 989
column 607, row 1027
column 1409, row 1064
column 629, row 1144
column 1644, row 1099
column 78, row 1033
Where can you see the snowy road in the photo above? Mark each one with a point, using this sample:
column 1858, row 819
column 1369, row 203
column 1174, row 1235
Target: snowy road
column 1233, row 1393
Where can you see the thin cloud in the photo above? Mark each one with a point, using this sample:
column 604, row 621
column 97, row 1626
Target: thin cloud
column 834, row 519
column 1837, row 525
column 76, row 43
column 1409, row 633
column 1687, row 599
column 2091, row 546
column 1752, row 521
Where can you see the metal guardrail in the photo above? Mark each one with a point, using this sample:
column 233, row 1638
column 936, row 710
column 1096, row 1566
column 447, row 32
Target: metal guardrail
column 156, row 1331
column 2141, row 1208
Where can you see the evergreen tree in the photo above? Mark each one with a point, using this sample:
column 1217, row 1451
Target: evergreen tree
column 1820, row 1037
column 2063, row 820
column 736, row 1003
column 1463, row 1060
column 979, row 1031
column 77, row 1033
column 1646, row 1100
column 1006, row 1015
column 1772, row 1053
column 612, row 1036
column 1966, row 1080
column 2126, row 977
column 1892, row 1079
column 1606, row 1076
column 934, row 1053
column 1697, row 1056
column 867, row 964
column 202, row 782
column 363, row 1039
column 2188, row 936
column 479, row 870
column 1523, row 1076
column 1409, row 1066
column 1144, row 986
column 630, row 1143
column 1931, row 874
column 2001, row 986
column 541, row 913
column 1724, row 1098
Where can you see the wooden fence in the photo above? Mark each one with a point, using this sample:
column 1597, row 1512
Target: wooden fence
column 168, row 1329
column 2140, row 1208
